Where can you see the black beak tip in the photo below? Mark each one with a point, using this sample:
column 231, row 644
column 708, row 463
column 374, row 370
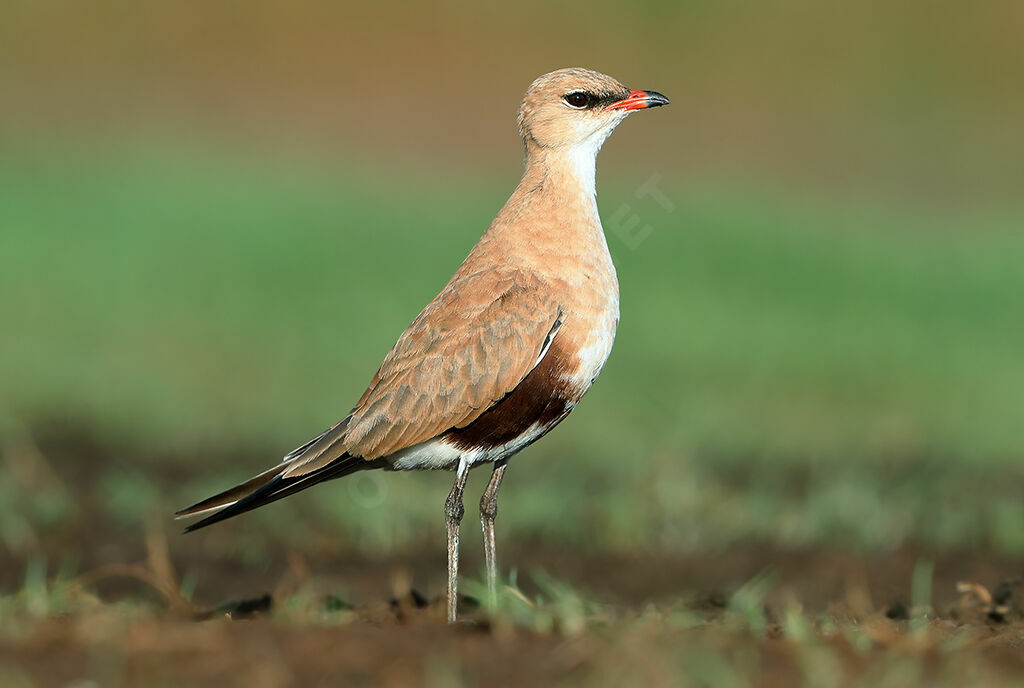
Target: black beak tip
column 655, row 99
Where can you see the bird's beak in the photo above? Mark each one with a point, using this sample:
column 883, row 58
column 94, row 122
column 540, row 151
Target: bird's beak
column 638, row 100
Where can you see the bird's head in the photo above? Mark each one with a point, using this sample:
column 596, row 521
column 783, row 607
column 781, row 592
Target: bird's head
column 575, row 107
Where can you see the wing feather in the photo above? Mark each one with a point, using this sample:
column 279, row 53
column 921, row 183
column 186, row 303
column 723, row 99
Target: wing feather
column 469, row 347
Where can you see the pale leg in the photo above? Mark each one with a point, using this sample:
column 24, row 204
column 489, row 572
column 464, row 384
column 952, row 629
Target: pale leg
column 452, row 517
column 488, row 511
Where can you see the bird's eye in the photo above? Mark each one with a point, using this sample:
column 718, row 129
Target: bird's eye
column 577, row 99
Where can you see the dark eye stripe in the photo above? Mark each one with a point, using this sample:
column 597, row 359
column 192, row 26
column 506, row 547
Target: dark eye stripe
column 607, row 99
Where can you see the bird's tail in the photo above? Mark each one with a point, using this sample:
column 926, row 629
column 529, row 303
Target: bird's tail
column 232, row 495
column 322, row 458
column 268, row 487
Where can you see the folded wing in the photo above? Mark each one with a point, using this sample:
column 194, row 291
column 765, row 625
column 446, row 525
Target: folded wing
column 471, row 346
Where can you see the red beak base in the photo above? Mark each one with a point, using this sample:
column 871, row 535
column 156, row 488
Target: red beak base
column 638, row 100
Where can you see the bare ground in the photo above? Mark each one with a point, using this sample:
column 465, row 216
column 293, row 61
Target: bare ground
column 655, row 619
column 747, row 615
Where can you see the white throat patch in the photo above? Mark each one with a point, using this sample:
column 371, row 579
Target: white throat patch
column 582, row 157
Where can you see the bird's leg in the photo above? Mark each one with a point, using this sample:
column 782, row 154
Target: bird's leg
column 488, row 511
column 452, row 517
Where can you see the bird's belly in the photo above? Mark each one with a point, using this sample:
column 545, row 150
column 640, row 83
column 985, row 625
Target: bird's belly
column 446, row 451
column 487, row 454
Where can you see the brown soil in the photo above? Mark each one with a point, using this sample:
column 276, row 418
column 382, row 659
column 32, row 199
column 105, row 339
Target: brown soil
column 354, row 619
column 394, row 635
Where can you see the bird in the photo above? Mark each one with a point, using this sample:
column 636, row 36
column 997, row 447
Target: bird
column 510, row 345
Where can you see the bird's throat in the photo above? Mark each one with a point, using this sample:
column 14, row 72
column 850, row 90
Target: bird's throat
column 568, row 172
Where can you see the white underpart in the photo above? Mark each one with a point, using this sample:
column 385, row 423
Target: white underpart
column 583, row 156
column 439, row 453
column 598, row 344
column 583, row 163
column 533, row 433
column 593, row 355
column 433, row 454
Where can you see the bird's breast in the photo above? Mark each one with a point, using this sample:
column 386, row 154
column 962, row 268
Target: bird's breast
column 589, row 334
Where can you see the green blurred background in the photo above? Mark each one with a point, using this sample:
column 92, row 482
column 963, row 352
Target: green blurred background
column 215, row 219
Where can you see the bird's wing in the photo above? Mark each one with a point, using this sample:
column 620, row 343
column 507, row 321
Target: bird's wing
column 472, row 345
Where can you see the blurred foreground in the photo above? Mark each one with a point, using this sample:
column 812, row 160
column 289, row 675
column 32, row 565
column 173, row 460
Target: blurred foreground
column 753, row 618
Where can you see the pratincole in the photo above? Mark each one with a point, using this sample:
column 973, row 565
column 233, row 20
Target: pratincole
column 509, row 346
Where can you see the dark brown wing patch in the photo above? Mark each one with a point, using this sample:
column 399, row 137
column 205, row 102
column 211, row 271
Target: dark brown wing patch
column 543, row 398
